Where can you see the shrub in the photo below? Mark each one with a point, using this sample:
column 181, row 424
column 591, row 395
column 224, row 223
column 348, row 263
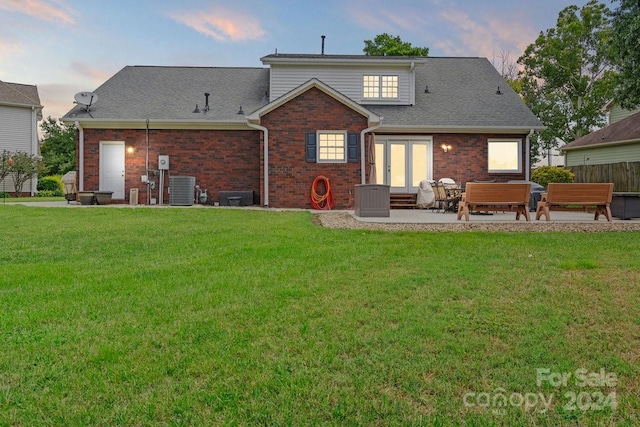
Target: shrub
column 4, row 195
column 546, row 174
column 49, row 193
column 51, row 183
column 24, row 166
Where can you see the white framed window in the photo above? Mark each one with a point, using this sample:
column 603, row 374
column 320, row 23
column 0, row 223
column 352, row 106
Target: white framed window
column 504, row 155
column 371, row 86
column 389, row 86
column 380, row 87
column 332, row 146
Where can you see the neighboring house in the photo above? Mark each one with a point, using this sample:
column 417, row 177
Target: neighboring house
column 20, row 111
column 553, row 157
column 352, row 118
column 610, row 154
column 615, row 112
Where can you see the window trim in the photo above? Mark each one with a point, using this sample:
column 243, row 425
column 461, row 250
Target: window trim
column 517, row 141
column 381, row 88
column 344, row 146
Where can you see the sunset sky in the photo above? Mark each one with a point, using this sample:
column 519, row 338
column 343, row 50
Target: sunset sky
column 68, row 46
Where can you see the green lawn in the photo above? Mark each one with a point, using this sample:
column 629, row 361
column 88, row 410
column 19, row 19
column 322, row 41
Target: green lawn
column 228, row 317
column 4, row 200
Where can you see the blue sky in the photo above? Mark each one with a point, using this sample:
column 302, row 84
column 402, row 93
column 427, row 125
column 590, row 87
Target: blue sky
column 68, row 46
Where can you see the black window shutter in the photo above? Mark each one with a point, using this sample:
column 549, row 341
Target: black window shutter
column 311, row 148
column 352, row 147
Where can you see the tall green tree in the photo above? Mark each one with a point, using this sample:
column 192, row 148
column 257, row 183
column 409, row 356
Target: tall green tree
column 386, row 45
column 58, row 148
column 625, row 52
column 567, row 77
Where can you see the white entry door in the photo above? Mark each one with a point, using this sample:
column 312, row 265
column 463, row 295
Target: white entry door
column 403, row 163
column 112, row 168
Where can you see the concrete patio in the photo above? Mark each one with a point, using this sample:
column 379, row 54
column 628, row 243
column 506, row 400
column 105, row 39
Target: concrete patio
column 418, row 216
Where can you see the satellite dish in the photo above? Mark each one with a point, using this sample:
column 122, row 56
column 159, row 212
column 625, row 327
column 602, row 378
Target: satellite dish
column 86, row 98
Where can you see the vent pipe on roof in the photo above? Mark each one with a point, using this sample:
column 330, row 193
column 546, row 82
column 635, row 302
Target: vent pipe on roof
column 206, row 102
column 322, row 51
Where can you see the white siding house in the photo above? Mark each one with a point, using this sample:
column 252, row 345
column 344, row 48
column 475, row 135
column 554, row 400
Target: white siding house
column 20, row 111
column 394, row 78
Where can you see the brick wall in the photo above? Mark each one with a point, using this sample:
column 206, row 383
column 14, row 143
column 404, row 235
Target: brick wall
column 220, row 160
column 232, row 160
column 467, row 159
column 290, row 176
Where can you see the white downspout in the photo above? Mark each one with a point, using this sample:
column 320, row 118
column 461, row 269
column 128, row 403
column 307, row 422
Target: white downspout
column 265, row 161
column 527, row 158
column 34, row 146
column 146, row 156
column 80, row 156
column 363, row 166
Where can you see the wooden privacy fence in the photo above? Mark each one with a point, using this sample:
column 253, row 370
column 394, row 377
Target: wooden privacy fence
column 624, row 175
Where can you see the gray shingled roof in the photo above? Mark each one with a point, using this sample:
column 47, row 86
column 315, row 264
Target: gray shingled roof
column 328, row 58
column 462, row 94
column 171, row 93
column 625, row 130
column 19, row 94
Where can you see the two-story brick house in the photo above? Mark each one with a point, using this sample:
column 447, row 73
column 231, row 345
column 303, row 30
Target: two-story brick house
column 273, row 130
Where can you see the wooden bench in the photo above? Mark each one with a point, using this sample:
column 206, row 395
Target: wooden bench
column 577, row 196
column 492, row 196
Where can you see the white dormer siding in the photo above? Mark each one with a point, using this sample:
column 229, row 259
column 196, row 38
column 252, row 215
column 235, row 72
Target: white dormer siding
column 343, row 74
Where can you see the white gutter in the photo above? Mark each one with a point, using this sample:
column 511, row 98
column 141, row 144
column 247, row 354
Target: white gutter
column 527, row 158
column 80, row 156
column 158, row 124
column 265, row 162
column 363, row 166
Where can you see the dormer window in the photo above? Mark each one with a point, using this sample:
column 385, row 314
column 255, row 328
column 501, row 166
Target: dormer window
column 380, row 87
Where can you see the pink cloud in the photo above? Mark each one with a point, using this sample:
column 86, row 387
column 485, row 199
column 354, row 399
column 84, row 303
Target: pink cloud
column 222, row 24
column 93, row 74
column 9, row 47
column 57, row 99
column 379, row 16
column 484, row 36
column 445, row 29
column 46, row 11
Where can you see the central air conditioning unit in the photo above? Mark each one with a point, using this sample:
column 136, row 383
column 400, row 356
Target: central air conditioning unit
column 181, row 190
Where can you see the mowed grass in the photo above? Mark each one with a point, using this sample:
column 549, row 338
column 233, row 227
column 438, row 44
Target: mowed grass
column 230, row 317
column 5, row 200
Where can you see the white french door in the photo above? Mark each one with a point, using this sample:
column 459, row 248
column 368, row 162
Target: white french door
column 402, row 163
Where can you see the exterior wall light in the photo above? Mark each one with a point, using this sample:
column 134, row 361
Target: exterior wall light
column 130, row 149
column 446, row 147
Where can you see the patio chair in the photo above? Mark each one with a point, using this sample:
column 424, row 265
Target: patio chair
column 444, row 200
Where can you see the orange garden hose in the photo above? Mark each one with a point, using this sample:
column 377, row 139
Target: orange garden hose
column 321, row 201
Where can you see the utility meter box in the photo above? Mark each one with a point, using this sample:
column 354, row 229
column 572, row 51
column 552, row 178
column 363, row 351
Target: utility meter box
column 163, row 162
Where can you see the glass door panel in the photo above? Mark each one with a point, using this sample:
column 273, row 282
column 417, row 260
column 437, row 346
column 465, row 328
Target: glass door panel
column 398, row 166
column 418, row 164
